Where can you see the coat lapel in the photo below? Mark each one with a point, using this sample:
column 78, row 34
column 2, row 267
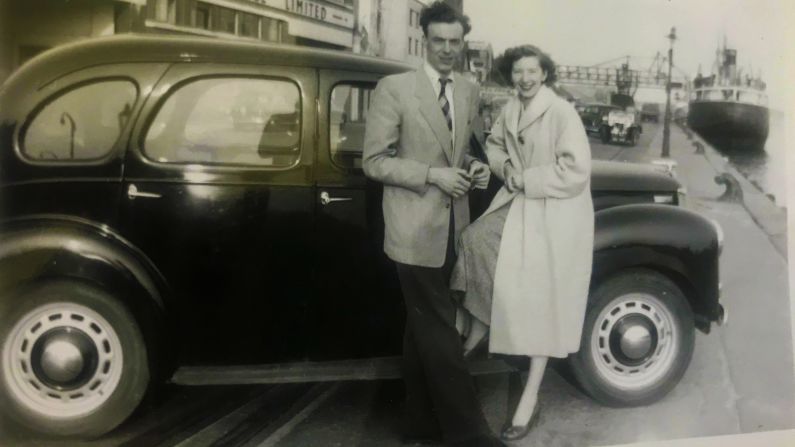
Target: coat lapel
column 539, row 105
column 429, row 107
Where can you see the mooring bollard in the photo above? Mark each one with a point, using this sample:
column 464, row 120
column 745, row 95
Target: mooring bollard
column 734, row 192
column 699, row 147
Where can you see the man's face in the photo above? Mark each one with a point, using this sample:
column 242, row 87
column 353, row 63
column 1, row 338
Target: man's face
column 444, row 44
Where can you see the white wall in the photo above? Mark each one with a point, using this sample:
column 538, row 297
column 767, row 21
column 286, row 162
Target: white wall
column 49, row 23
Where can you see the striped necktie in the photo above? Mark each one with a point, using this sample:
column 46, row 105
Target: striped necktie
column 444, row 103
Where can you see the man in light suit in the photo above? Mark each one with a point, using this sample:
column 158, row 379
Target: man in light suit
column 417, row 144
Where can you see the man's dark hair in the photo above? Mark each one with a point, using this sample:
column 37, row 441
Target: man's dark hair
column 512, row 55
column 441, row 12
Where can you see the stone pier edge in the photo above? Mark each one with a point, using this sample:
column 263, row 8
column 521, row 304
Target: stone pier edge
column 768, row 216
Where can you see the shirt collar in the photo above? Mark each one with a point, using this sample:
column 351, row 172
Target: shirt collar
column 434, row 75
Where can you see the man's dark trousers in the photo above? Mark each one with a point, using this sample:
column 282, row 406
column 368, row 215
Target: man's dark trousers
column 440, row 393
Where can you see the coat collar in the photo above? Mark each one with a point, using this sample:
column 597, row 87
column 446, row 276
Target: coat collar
column 538, row 105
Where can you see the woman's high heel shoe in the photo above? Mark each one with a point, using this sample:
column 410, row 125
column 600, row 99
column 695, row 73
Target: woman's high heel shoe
column 516, row 432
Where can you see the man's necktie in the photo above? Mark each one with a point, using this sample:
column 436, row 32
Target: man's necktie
column 444, row 103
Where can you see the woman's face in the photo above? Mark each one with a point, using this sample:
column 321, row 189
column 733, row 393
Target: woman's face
column 527, row 76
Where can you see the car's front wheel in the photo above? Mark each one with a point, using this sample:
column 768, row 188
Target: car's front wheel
column 633, row 137
column 73, row 360
column 637, row 340
column 604, row 133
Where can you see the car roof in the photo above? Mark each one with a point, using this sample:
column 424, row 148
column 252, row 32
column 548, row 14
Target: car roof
column 600, row 104
column 124, row 48
column 624, row 176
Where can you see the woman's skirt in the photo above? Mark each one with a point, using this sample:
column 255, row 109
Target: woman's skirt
column 473, row 273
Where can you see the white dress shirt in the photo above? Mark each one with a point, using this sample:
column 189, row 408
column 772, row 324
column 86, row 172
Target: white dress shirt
column 448, row 92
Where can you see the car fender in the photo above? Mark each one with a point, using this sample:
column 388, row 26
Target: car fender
column 42, row 248
column 674, row 241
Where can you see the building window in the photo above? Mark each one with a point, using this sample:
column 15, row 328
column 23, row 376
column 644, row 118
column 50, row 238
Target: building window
column 249, row 25
column 224, row 20
column 416, row 47
column 201, row 17
column 228, row 121
column 164, row 10
column 271, row 29
column 348, row 3
column 410, row 45
column 411, row 17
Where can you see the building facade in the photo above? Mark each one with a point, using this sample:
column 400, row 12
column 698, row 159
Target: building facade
column 32, row 26
column 382, row 28
column 401, row 36
column 317, row 23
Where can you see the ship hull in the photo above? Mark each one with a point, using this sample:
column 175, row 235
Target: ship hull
column 729, row 120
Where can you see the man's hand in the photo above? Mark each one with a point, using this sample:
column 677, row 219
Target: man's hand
column 480, row 174
column 514, row 180
column 453, row 181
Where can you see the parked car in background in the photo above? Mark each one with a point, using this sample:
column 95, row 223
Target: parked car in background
column 153, row 230
column 650, row 111
column 612, row 123
column 621, row 126
column 593, row 115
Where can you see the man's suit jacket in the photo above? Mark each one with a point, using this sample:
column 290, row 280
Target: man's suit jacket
column 406, row 135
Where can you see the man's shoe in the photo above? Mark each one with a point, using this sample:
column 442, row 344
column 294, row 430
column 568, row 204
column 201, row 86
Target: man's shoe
column 516, row 432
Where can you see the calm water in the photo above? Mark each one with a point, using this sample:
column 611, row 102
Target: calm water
column 766, row 167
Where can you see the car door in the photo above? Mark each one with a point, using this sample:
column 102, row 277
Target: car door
column 218, row 194
column 357, row 311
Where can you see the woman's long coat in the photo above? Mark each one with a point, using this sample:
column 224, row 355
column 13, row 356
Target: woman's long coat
column 544, row 264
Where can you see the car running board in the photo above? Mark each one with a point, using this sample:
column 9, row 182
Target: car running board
column 367, row 369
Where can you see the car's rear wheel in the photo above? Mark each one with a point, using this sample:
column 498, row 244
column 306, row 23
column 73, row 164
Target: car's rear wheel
column 73, row 359
column 633, row 137
column 637, row 340
column 604, row 133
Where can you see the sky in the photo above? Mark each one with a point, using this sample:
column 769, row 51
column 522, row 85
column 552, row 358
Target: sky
column 589, row 32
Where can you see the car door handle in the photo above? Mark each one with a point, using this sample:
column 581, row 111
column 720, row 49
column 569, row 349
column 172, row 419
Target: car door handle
column 325, row 198
column 132, row 192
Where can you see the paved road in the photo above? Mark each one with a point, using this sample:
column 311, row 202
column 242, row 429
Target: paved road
column 739, row 381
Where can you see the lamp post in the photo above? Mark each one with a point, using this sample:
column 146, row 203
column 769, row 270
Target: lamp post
column 666, row 143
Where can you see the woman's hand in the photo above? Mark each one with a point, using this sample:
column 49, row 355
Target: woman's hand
column 514, row 181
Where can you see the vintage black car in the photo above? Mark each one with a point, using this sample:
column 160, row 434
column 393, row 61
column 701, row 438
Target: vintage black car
column 611, row 122
column 152, row 232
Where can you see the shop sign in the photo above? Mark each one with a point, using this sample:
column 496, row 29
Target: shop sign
column 313, row 10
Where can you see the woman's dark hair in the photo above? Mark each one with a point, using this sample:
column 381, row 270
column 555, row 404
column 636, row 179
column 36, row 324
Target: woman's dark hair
column 512, row 55
column 441, row 12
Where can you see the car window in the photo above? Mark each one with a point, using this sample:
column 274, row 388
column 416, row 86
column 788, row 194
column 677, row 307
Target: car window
column 347, row 117
column 237, row 121
column 82, row 124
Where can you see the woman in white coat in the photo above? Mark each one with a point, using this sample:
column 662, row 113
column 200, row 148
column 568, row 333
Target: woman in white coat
column 524, row 267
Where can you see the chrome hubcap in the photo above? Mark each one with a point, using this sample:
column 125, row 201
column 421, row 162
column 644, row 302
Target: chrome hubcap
column 634, row 341
column 62, row 360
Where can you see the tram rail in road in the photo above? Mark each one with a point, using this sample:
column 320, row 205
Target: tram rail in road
column 234, row 416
